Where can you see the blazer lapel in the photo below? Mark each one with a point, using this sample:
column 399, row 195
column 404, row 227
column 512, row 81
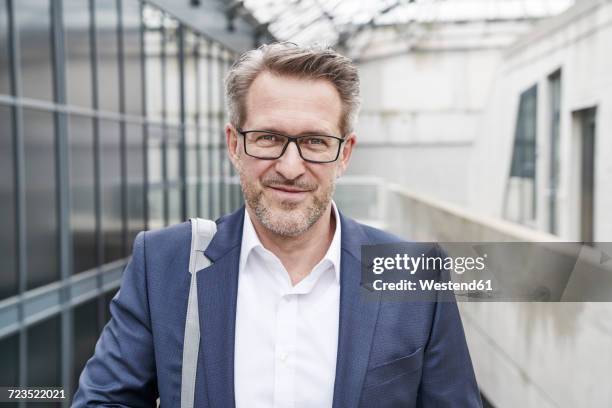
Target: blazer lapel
column 358, row 314
column 217, row 291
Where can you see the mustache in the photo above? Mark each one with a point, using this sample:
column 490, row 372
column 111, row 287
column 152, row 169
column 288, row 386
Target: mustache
column 283, row 182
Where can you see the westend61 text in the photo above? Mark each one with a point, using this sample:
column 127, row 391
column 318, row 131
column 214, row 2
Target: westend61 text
column 406, row 285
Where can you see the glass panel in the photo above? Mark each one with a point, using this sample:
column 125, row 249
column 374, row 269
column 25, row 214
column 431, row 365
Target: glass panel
column 204, row 82
column 5, row 68
column 107, row 53
column 173, row 159
column 154, row 155
column 131, row 57
column 33, row 20
column 191, row 76
column 521, row 189
column 41, row 212
column 110, row 162
column 82, row 184
column 84, row 335
column 215, row 83
column 555, row 122
column 152, row 20
column 174, row 205
column 155, row 174
column 588, row 122
column 77, row 24
column 171, row 47
column 8, row 256
column 135, row 180
column 209, row 167
column 203, row 157
column 9, row 355
column 44, row 354
column 156, row 207
column 216, row 154
column 192, row 171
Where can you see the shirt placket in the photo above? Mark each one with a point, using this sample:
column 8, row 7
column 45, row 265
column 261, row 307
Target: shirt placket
column 284, row 354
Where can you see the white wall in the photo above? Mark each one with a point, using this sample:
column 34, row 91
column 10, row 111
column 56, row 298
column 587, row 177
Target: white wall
column 525, row 354
column 423, row 97
column 578, row 42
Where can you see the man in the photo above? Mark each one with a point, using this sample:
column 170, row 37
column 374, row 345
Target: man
column 284, row 320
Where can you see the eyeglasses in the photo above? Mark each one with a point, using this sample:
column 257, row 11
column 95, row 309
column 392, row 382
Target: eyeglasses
column 266, row 145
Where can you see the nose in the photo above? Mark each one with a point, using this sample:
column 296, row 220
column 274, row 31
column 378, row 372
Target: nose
column 290, row 165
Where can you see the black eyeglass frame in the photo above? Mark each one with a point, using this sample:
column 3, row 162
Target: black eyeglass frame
column 290, row 139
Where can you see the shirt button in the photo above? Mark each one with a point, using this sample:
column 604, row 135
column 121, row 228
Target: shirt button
column 283, row 356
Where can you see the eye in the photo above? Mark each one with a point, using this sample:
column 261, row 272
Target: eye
column 316, row 141
column 268, row 137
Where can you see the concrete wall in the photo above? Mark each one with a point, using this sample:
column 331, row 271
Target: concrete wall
column 423, row 95
column 578, row 43
column 528, row 355
column 440, row 108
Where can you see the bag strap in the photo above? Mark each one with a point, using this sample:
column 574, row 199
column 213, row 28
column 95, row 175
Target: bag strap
column 202, row 232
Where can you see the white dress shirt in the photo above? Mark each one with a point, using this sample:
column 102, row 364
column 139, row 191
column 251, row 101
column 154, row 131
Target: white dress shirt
column 286, row 338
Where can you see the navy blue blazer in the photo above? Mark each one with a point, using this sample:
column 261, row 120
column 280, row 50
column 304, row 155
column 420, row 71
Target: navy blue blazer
column 390, row 353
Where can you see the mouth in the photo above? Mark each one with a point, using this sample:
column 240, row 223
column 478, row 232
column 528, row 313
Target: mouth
column 288, row 192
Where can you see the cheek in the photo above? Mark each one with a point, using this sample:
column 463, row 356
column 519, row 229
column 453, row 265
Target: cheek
column 251, row 169
column 325, row 176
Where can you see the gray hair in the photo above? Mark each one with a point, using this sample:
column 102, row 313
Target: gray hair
column 284, row 58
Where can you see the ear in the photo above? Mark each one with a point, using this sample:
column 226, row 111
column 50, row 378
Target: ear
column 346, row 152
column 231, row 141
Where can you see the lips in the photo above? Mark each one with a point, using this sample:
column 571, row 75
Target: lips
column 288, row 189
column 288, row 193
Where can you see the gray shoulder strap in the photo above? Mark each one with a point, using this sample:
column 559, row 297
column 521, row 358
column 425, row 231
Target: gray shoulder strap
column 202, row 232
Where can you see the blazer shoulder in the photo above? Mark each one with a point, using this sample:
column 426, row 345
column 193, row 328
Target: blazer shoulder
column 170, row 237
column 162, row 246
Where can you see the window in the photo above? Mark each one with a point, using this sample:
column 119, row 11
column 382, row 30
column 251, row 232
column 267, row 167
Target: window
column 554, row 82
column 77, row 25
column 33, row 21
column 131, row 57
column 112, row 196
column 107, row 54
column 155, row 170
column 44, row 354
column 5, row 39
column 8, row 255
column 173, row 175
column 191, row 147
column 85, row 333
column 521, row 188
column 134, row 144
column 152, row 21
column 41, row 200
column 191, row 46
column 172, row 70
column 82, row 186
column 9, row 355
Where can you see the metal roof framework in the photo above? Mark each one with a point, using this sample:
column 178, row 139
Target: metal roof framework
column 335, row 22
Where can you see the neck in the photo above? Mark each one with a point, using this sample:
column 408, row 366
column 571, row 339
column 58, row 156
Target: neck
column 299, row 254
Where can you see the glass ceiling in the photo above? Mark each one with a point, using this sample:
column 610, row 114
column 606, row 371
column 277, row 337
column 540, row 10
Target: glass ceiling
column 333, row 21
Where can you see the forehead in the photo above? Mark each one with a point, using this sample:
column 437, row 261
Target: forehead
column 293, row 105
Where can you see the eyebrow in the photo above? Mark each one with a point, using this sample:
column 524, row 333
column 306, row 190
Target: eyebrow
column 308, row 132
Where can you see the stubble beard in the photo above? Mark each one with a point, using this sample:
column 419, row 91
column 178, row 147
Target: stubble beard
column 286, row 218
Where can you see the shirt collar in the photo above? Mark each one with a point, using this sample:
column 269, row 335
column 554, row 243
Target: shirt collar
column 250, row 240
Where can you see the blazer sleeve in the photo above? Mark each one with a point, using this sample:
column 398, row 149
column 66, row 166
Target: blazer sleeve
column 448, row 378
column 122, row 369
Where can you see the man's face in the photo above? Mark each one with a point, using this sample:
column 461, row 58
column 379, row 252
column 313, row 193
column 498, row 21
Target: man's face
column 288, row 195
